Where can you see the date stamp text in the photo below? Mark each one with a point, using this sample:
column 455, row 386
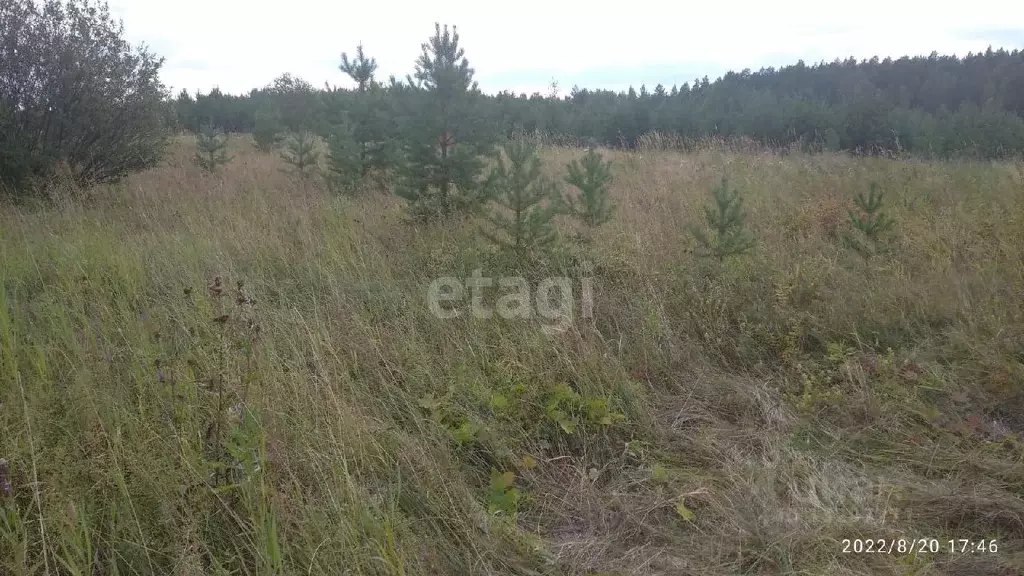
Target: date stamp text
column 919, row 546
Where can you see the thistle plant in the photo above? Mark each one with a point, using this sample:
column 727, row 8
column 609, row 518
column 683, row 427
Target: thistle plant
column 728, row 236
column 869, row 221
column 211, row 149
column 235, row 331
column 301, row 154
column 591, row 177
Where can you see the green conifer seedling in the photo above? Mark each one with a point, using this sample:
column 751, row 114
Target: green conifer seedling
column 870, row 221
column 591, row 177
column 523, row 200
column 728, row 235
column 301, row 154
column 344, row 163
column 211, row 149
column 266, row 130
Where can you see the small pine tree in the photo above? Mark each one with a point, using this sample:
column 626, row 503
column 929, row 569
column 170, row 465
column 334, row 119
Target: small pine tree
column 344, row 165
column 592, row 177
column 211, row 149
column 367, row 119
column 871, row 222
column 443, row 135
column 267, row 130
column 520, row 219
column 301, row 154
column 726, row 220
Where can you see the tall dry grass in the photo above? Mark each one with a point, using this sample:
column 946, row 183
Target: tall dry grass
column 789, row 399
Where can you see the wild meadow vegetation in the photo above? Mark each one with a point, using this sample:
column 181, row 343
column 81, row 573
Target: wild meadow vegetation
column 238, row 373
column 222, row 353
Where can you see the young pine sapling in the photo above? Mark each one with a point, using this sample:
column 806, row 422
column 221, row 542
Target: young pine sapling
column 728, row 235
column 591, row 177
column 869, row 221
column 301, row 154
column 211, row 149
column 524, row 200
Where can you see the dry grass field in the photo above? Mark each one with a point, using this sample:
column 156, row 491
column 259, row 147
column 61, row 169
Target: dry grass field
column 307, row 414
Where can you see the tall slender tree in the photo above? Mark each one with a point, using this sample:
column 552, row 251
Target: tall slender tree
column 443, row 135
column 364, row 129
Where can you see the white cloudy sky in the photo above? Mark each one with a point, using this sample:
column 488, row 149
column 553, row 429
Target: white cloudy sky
column 523, row 45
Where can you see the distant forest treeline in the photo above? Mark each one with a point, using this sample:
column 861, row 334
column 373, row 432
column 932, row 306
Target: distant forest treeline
column 936, row 106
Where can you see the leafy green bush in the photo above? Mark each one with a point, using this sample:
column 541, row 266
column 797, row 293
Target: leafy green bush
column 502, row 495
column 73, row 90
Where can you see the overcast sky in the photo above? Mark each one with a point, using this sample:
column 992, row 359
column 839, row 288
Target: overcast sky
column 522, row 45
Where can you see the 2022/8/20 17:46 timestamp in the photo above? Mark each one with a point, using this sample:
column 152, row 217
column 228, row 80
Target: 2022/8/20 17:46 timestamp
column 919, row 546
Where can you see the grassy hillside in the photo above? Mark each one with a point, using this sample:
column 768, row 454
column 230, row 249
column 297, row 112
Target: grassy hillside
column 307, row 413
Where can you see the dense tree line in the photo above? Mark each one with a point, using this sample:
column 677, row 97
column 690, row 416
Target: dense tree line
column 74, row 93
column 935, row 105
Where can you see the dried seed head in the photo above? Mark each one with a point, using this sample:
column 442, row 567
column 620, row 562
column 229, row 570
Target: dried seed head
column 216, row 288
column 243, row 297
column 236, row 411
column 5, row 479
column 188, row 291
